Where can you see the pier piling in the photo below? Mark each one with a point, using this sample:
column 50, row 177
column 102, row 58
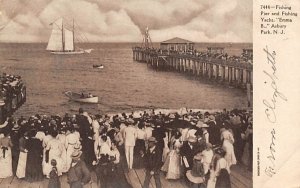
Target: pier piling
column 231, row 72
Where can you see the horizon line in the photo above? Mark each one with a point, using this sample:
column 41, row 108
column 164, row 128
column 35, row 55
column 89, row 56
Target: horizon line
column 16, row 42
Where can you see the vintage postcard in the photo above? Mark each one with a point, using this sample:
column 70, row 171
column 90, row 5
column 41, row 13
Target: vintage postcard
column 149, row 93
column 276, row 93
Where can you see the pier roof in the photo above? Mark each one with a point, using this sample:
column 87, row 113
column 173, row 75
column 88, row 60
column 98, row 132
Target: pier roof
column 177, row 40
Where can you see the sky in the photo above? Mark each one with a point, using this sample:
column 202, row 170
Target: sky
column 126, row 20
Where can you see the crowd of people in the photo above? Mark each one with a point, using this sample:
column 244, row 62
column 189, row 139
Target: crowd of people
column 243, row 58
column 199, row 147
column 12, row 94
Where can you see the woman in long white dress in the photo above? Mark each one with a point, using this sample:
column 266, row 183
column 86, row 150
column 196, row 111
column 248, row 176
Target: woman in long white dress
column 55, row 148
column 166, row 149
column 218, row 163
column 21, row 168
column 72, row 138
column 62, row 138
column 5, row 156
column 228, row 141
column 46, row 162
column 172, row 166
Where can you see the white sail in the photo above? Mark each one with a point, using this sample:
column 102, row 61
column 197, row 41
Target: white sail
column 69, row 44
column 55, row 42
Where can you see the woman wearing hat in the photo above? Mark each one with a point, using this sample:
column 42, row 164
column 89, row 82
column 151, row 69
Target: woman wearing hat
column 72, row 138
column 56, row 148
column 219, row 172
column 172, row 165
column 62, row 138
column 20, row 173
column 196, row 176
column 34, row 170
column 228, row 141
column 207, row 157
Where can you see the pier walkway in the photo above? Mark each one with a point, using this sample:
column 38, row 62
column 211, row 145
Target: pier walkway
column 233, row 72
column 240, row 178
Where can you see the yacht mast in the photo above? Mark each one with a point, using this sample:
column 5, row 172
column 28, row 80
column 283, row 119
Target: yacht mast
column 73, row 37
column 63, row 38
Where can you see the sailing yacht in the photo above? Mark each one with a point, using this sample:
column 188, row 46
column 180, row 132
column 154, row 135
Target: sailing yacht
column 62, row 40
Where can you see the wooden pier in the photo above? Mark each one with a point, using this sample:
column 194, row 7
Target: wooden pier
column 240, row 177
column 231, row 72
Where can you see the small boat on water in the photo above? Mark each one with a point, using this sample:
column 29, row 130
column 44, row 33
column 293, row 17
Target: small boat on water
column 98, row 66
column 81, row 97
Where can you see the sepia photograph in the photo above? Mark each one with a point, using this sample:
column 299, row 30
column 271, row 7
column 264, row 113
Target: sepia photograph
column 126, row 94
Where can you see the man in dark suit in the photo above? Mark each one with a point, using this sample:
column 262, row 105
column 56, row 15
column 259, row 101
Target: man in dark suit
column 188, row 151
column 79, row 174
column 153, row 163
column 83, row 123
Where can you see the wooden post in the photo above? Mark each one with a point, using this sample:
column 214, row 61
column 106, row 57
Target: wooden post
column 212, row 71
column 234, row 74
column 180, row 64
column 223, row 73
column 229, row 75
column 218, row 70
column 194, row 67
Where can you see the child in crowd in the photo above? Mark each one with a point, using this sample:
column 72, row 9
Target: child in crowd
column 54, row 179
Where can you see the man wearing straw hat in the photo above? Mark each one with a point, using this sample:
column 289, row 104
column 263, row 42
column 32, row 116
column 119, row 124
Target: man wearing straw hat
column 78, row 175
column 153, row 163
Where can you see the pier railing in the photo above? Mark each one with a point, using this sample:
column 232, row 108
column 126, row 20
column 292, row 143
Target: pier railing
column 234, row 71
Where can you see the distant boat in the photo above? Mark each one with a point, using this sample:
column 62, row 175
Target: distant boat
column 85, row 98
column 98, row 66
column 62, row 40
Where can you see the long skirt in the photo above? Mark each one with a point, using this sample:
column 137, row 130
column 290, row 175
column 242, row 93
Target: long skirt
column 21, row 169
column 173, row 166
column 165, row 154
column 56, row 155
column 70, row 150
column 245, row 157
column 211, row 183
column 229, row 156
column 223, row 180
column 46, row 163
column 6, row 163
column 64, row 161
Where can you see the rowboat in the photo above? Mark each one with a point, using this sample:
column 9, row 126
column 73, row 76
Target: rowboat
column 80, row 97
column 98, row 66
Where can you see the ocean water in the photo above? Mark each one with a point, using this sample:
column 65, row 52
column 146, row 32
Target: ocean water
column 122, row 86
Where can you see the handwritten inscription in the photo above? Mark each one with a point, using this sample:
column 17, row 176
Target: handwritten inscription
column 271, row 102
column 271, row 167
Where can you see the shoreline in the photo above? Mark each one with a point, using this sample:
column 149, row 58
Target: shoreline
column 166, row 111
